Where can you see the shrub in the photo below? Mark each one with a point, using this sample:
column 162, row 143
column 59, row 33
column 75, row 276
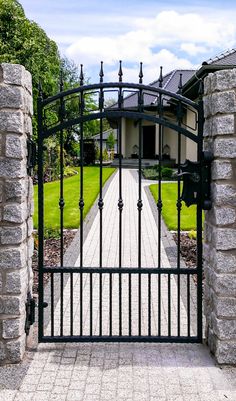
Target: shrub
column 167, row 172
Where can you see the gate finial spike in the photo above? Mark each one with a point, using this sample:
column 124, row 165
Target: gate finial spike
column 120, row 73
column 141, row 73
column 101, row 74
column 61, row 81
column 200, row 90
column 81, row 77
column 160, row 78
column 180, row 86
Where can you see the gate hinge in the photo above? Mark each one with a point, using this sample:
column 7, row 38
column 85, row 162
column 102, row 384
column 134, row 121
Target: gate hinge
column 31, row 155
column 30, row 312
column 197, row 181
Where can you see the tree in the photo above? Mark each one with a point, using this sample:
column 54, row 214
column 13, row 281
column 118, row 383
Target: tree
column 111, row 141
column 23, row 42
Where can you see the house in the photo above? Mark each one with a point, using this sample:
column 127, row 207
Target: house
column 150, row 131
column 105, row 139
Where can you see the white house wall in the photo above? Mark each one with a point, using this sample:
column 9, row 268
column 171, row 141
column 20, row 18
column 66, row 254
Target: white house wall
column 191, row 147
column 130, row 138
column 170, row 138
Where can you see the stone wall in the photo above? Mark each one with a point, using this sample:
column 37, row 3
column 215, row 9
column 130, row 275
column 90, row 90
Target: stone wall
column 16, row 209
column 220, row 222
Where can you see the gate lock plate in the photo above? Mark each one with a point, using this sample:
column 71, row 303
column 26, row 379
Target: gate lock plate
column 196, row 181
column 30, row 312
column 31, row 155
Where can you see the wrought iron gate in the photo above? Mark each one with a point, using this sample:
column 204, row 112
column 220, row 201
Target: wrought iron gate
column 79, row 299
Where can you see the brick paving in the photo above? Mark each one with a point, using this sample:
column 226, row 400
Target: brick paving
column 121, row 372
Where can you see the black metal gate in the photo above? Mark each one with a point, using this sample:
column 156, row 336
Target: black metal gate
column 111, row 303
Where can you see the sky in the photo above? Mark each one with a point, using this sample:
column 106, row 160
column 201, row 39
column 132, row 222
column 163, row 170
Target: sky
column 173, row 34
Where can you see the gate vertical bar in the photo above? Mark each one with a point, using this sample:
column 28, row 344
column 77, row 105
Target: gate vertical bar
column 199, row 215
column 100, row 202
column 61, row 206
column 179, row 206
column 140, row 203
column 40, row 212
column 120, row 202
column 159, row 202
column 81, row 201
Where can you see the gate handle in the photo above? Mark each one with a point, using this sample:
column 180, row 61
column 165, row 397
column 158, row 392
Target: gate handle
column 194, row 176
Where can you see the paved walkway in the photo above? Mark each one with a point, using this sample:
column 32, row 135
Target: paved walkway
column 122, row 372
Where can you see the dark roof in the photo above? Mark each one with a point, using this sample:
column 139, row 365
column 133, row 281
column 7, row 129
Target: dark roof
column 170, row 83
column 226, row 58
column 223, row 61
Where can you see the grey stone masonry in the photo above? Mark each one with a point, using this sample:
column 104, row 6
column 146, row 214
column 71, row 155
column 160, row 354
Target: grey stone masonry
column 220, row 221
column 16, row 208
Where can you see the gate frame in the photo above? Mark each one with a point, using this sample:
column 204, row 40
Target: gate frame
column 44, row 132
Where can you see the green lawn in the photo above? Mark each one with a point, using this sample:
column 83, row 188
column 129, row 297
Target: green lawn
column 169, row 211
column 71, row 197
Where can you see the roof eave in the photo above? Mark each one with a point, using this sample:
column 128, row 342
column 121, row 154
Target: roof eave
column 190, row 89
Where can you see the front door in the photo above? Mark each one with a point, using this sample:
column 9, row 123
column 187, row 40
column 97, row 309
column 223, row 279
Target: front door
column 149, row 141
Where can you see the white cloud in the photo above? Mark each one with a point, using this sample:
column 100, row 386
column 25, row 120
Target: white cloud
column 151, row 70
column 156, row 41
column 192, row 49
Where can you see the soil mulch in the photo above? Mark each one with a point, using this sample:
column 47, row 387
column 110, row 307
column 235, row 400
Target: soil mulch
column 51, row 255
column 188, row 249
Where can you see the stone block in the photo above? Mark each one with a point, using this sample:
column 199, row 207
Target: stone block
column 207, row 84
column 225, row 352
column 224, row 238
column 27, row 81
column 2, row 352
column 16, row 213
column 12, row 168
column 13, row 74
column 11, row 305
column 223, row 102
column 1, row 282
column 13, row 328
column 224, row 216
column 207, row 106
column 30, row 226
column 16, row 146
column 28, row 125
column 11, row 97
column 223, row 284
column 16, row 282
column 223, row 262
column 12, row 258
column 2, row 192
column 223, row 125
column 15, row 349
column 223, row 328
column 225, row 148
column 12, row 121
column 16, row 190
column 223, row 194
column 223, row 80
column 12, row 235
column 225, row 307
column 28, row 104
column 221, row 170
column 30, row 247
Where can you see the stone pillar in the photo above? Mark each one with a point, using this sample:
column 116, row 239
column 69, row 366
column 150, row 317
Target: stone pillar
column 220, row 222
column 16, row 209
